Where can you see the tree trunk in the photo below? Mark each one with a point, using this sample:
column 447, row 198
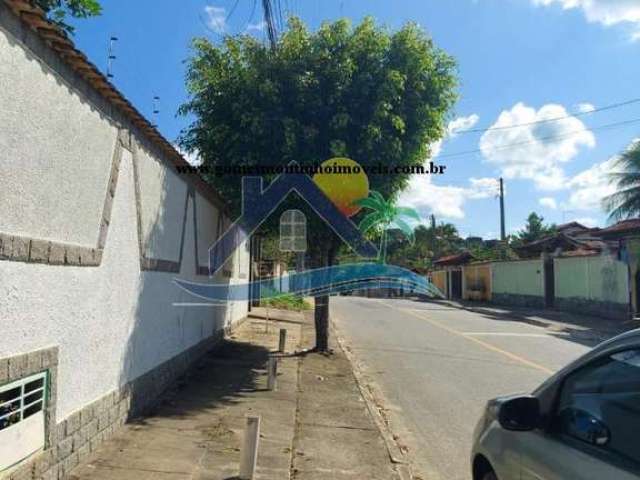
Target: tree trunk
column 321, row 309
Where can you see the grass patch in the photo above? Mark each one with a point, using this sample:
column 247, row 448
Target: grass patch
column 286, row 302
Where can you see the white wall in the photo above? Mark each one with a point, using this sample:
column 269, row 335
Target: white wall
column 161, row 210
column 46, row 128
column 113, row 322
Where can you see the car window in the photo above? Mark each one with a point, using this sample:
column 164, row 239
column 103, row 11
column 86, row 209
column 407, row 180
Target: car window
column 600, row 405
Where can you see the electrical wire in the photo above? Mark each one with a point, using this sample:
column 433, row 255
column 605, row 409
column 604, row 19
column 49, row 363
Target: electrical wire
column 554, row 119
column 551, row 138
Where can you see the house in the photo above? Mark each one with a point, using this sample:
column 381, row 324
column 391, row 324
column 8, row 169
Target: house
column 447, row 273
column 626, row 235
column 96, row 224
column 562, row 243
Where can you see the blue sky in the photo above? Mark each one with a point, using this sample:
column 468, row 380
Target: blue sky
column 519, row 61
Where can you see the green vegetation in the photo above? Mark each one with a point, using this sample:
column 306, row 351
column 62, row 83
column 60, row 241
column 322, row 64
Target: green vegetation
column 286, row 302
column 363, row 92
column 59, row 10
column 625, row 202
column 534, row 229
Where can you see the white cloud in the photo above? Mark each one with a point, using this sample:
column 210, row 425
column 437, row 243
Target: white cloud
column 590, row 186
column 548, row 202
column 444, row 200
column 216, row 18
column 533, row 150
column 256, row 27
column 585, row 107
column 453, row 128
column 604, row 12
column 460, row 124
column 587, row 221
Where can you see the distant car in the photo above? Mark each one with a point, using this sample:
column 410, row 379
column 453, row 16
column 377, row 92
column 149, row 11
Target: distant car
column 582, row 423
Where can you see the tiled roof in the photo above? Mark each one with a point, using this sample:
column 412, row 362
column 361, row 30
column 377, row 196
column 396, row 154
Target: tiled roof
column 455, row 259
column 622, row 226
column 36, row 20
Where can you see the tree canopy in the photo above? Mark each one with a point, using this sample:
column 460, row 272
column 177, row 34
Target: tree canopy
column 363, row 92
column 534, row 229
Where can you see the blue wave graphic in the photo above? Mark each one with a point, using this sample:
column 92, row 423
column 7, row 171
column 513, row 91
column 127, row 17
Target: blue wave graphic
column 320, row 281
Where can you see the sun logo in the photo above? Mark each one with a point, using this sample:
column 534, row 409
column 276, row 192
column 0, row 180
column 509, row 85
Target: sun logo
column 344, row 182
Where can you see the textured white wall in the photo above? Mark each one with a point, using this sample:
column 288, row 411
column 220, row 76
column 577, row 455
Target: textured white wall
column 111, row 323
column 56, row 153
column 162, row 210
column 207, row 228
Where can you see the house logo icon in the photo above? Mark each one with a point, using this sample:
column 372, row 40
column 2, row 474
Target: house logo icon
column 258, row 203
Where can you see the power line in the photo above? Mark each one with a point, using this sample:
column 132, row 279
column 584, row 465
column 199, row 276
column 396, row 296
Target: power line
column 554, row 119
column 551, row 138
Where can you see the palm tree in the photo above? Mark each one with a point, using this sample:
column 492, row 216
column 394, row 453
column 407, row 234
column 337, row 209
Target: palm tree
column 387, row 215
column 625, row 202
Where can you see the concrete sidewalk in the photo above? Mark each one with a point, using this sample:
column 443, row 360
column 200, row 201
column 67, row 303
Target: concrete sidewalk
column 315, row 426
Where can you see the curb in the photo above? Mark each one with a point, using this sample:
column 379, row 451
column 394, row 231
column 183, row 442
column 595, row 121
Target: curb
column 396, row 455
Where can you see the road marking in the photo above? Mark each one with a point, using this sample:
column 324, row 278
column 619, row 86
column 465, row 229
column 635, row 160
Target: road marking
column 471, row 338
column 507, row 334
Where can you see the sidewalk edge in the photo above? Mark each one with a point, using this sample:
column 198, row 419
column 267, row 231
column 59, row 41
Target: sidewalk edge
column 397, row 457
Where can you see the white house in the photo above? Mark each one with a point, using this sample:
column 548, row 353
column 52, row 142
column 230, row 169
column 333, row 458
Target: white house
column 94, row 226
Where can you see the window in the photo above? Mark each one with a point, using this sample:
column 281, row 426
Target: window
column 293, row 231
column 22, row 405
column 599, row 405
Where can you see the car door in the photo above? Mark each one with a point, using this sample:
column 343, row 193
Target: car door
column 594, row 428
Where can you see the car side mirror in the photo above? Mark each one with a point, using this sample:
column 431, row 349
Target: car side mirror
column 519, row 413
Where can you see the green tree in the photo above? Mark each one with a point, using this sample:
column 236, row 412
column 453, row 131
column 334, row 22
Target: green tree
column 625, row 202
column 363, row 92
column 59, row 10
column 534, row 229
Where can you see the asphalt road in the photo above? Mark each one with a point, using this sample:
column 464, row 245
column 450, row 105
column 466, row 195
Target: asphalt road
column 438, row 365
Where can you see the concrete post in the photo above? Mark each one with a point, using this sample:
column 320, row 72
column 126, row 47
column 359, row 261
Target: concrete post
column 283, row 340
column 249, row 452
column 272, row 372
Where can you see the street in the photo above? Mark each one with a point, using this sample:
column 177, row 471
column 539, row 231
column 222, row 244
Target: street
column 437, row 366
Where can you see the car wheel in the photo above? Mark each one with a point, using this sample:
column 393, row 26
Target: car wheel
column 489, row 476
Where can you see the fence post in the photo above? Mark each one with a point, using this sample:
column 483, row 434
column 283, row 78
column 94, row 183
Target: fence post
column 249, row 453
column 283, row 340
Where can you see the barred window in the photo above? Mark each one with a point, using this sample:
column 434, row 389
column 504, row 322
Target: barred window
column 22, row 431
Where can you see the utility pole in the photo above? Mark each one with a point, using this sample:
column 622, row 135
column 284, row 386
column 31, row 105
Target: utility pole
column 503, row 235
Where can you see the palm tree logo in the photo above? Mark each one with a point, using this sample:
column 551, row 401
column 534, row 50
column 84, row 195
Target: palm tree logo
column 385, row 215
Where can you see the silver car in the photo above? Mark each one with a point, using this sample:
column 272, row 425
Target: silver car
column 582, row 423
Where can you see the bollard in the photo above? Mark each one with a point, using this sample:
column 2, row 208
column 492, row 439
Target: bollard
column 272, row 372
column 283, row 340
column 249, row 452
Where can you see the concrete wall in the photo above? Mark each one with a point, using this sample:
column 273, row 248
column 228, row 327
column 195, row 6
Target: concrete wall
column 94, row 227
column 518, row 283
column 477, row 282
column 592, row 285
column 439, row 279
